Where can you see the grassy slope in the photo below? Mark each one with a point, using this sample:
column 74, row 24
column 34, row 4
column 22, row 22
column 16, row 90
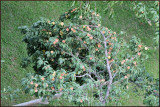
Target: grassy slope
column 15, row 13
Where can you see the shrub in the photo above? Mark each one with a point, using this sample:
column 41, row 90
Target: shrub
column 77, row 53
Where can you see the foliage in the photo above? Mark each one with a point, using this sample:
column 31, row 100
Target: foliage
column 152, row 94
column 81, row 54
column 13, row 49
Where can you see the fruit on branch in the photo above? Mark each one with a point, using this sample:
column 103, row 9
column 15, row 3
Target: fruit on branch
column 51, row 52
column 71, row 88
column 146, row 48
column 31, row 82
column 36, row 85
column 79, row 53
column 139, row 53
column 128, row 67
column 42, row 78
column 81, row 101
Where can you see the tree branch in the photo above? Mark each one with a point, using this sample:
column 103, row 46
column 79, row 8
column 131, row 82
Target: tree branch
column 39, row 101
column 108, row 69
column 87, row 75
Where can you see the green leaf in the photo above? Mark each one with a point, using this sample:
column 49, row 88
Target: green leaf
column 61, row 60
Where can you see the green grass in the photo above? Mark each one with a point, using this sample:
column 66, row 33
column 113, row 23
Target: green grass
column 19, row 13
column 135, row 98
column 15, row 14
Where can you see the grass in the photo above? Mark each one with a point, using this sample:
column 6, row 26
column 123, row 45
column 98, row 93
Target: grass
column 134, row 99
column 15, row 14
column 19, row 13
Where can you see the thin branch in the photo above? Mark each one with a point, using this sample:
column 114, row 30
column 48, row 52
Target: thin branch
column 86, row 75
column 115, row 74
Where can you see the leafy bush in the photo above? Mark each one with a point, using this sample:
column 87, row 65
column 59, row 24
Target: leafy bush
column 77, row 53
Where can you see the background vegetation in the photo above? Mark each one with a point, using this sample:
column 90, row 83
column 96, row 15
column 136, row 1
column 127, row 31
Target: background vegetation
column 18, row 13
